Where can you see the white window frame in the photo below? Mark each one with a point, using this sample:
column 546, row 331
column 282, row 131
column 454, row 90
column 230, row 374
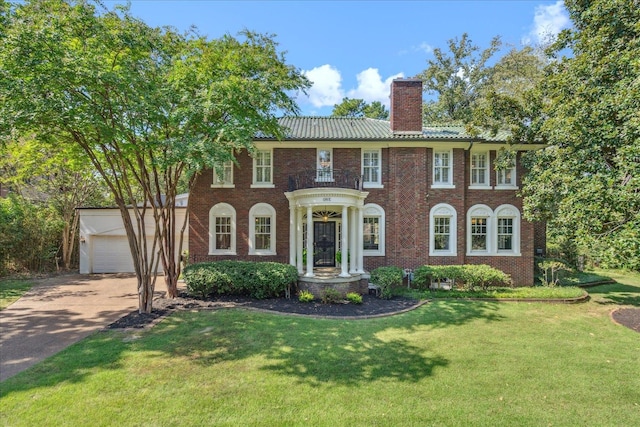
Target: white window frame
column 482, row 172
column 227, row 168
column 506, row 186
column 227, row 211
column 449, row 182
column 268, row 183
column 508, row 212
column 372, row 210
column 480, row 211
column 261, row 210
column 321, row 175
column 378, row 168
column 443, row 210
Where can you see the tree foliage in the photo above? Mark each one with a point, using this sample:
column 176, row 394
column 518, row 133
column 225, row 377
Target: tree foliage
column 359, row 108
column 457, row 78
column 148, row 107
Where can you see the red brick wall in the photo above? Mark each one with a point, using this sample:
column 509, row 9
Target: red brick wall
column 406, row 198
column 406, row 105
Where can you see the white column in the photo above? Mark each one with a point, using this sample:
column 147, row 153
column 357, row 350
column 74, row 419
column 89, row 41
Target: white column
column 345, row 242
column 360, row 263
column 292, row 235
column 353, row 241
column 299, row 247
column 309, row 272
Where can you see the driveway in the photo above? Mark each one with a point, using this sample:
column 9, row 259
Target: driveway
column 58, row 312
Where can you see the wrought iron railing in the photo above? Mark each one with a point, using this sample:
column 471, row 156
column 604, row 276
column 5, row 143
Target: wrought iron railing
column 319, row 178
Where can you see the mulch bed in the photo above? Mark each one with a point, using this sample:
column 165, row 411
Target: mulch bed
column 371, row 307
column 629, row 317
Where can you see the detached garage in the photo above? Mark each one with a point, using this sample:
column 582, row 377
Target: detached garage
column 104, row 247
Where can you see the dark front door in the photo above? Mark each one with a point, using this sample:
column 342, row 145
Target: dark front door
column 324, row 242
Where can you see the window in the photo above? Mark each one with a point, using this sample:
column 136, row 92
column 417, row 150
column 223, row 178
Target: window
column 371, row 168
column 506, row 178
column 324, row 165
column 505, row 234
column 443, row 168
column 222, row 230
column 373, row 230
column 225, row 180
column 262, row 230
column 442, row 232
column 478, row 234
column 507, row 230
column 262, row 169
column 479, row 169
column 493, row 233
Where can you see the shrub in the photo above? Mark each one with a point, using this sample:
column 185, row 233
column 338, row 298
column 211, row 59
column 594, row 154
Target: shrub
column 552, row 270
column 468, row 275
column 386, row 278
column 256, row 279
column 354, row 298
column 484, row 276
column 331, row 296
column 305, row 296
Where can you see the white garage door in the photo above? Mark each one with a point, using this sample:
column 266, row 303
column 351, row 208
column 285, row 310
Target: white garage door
column 111, row 254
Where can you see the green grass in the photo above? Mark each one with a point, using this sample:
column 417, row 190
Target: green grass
column 450, row 362
column 11, row 290
column 538, row 292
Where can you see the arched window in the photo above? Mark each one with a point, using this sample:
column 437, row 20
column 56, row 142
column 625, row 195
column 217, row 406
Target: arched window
column 507, row 218
column 262, row 230
column 479, row 230
column 442, row 230
column 222, row 230
column 373, row 230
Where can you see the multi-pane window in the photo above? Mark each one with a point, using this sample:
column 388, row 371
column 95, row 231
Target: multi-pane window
column 223, row 233
column 325, row 165
column 371, row 233
column 262, row 167
column 505, row 234
column 226, row 174
column 371, row 166
column 479, row 169
column 478, row 234
column 441, row 233
column 442, row 167
column 262, row 236
column 505, row 176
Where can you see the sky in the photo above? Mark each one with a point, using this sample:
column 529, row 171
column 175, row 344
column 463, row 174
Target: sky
column 356, row 48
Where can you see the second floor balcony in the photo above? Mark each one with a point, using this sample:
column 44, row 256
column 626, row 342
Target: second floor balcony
column 323, row 178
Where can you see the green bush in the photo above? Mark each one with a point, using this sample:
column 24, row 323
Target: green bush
column 354, row 298
column 331, row 296
column 258, row 280
column 305, row 296
column 468, row 276
column 386, row 278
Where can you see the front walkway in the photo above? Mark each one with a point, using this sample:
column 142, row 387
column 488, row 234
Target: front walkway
column 60, row 311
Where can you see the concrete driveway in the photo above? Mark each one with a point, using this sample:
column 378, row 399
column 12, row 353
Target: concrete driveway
column 58, row 312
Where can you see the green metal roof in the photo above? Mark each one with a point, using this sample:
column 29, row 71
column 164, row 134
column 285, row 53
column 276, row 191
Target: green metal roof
column 345, row 128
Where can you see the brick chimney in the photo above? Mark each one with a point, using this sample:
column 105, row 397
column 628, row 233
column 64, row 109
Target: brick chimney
column 406, row 106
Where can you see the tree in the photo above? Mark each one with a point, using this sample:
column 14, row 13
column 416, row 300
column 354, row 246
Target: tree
column 457, row 79
column 359, row 108
column 588, row 182
column 147, row 106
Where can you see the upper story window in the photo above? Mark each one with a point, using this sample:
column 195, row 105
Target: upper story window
column 373, row 234
column 223, row 175
column 480, row 170
column 443, row 169
column 262, row 230
column 263, row 168
column 324, row 164
column 372, row 168
column 222, row 230
column 442, row 230
column 506, row 178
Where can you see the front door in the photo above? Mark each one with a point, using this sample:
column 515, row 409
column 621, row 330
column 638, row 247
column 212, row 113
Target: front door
column 324, row 241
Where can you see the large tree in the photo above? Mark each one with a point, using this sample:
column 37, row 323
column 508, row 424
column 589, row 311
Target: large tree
column 587, row 184
column 354, row 107
column 148, row 107
column 457, row 78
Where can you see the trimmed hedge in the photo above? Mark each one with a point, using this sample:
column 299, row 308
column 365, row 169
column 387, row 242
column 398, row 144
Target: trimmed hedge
column 258, row 280
column 468, row 276
column 386, row 278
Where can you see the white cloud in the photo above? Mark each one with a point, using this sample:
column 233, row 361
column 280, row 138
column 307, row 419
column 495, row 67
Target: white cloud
column 548, row 21
column 423, row 47
column 371, row 87
column 326, row 86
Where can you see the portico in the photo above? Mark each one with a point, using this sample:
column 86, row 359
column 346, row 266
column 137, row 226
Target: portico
column 323, row 222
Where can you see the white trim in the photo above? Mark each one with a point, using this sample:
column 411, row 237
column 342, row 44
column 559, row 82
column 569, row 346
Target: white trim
column 264, row 183
column 449, row 181
column 378, row 182
column 480, row 211
column 443, row 210
column 479, row 185
column 222, row 210
column 502, row 211
column 223, row 184
column 372, row 210
column 321, row 165
column 508, row 211
column 262, row 210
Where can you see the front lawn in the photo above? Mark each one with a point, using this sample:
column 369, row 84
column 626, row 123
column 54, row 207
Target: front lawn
column 450, row 362
column 12, row 289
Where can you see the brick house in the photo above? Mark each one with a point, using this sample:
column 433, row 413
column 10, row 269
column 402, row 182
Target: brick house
column 393, row 193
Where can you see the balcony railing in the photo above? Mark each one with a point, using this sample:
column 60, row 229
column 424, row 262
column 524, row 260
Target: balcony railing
column 323, row 178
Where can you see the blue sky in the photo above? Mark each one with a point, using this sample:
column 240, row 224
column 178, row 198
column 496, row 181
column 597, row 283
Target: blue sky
column 355, row 48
